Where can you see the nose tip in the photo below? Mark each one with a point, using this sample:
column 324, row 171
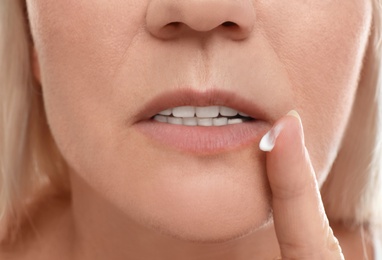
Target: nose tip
column 166, row 19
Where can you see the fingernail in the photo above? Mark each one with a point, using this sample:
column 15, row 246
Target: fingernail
column 295, row 114
column 269, row 139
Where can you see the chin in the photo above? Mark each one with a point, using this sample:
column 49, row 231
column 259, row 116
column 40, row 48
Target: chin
column 211, row 223
column 200, row 199
column 208, row 202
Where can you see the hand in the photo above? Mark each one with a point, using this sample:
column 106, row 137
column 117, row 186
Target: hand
column 301, row 225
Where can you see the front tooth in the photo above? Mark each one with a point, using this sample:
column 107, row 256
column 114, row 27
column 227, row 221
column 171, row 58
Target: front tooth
column 235, row 121
column 227, row 111
column 205, row 121
column 211, row 111
column 185, row 111
column 166, row 112
column 190, row 121
column 175, row 120
column 220, row 121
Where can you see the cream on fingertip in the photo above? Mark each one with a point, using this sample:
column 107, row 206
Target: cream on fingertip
column 269, row 139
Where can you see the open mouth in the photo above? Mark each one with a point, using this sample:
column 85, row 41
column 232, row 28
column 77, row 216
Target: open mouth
column 202, row 116
column 202, row 122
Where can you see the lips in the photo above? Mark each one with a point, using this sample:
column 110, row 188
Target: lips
column 197, row 122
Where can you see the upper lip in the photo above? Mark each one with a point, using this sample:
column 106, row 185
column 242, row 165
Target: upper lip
column 190, row 97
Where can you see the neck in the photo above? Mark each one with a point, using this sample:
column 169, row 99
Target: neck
column 103, row 232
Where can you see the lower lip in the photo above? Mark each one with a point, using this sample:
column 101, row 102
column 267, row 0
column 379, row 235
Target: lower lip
column 204, row 139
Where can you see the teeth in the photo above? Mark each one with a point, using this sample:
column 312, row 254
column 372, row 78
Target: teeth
column 205, row 116
column 162, row 119
column 220, row 121
column 190, row 121
column 212, row 111
column 175, row 120
column 235, row 121
column 186, row 111
column 166, row 112
column 205, row 121
column 226, row 111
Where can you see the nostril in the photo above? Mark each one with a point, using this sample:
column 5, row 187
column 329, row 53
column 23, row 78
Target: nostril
column 229, row 24
column 174, row 24
column 175, row 29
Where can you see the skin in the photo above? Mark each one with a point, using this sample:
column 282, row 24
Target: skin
column 99, row 62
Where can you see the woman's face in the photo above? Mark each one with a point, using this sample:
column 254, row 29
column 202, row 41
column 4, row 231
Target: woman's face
column 107, row 67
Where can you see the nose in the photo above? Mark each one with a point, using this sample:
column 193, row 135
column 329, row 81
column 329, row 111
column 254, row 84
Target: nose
column 168, row 19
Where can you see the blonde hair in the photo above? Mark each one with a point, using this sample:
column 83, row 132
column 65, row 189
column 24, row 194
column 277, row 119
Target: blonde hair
column 26, row 141
column 352, row 192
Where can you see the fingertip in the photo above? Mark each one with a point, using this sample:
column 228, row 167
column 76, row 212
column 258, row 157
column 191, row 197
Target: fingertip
column 287, row 160
column 268, row 141
column 290, row 146
column 295, row 114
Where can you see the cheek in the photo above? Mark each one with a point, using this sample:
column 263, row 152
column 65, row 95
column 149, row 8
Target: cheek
column 78, row 54
column 82, row 43
column 321, row 45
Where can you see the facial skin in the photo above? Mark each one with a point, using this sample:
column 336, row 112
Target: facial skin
column 100, row 62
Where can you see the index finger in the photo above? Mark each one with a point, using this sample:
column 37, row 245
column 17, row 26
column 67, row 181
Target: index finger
column 300, row 221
